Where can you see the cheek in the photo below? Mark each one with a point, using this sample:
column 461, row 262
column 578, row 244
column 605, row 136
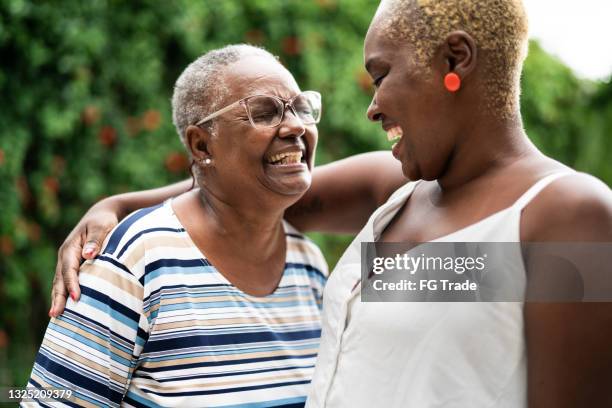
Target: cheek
column 312, row 138
column 252, row 146
column 426, row 137
column 396, row 101
column 237, row 157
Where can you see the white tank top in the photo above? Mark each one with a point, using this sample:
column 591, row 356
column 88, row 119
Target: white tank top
column 422, row 354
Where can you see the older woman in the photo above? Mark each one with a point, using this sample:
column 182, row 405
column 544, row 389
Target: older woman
column 209, row 299
column 447, row 89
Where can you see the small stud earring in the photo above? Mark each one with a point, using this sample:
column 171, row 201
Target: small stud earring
column 207, row 161
column 452, row 82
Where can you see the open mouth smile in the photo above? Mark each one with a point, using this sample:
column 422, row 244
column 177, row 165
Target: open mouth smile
column 284, row 158
column 394, row 133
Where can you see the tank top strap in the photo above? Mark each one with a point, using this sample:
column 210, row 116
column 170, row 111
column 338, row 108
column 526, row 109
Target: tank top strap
column 537, row 187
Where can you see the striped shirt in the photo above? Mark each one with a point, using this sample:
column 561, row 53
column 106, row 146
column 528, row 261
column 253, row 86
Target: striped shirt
column 158, row 325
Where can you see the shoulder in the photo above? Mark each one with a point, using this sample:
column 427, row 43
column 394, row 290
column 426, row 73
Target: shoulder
column 119, row 267
column 574, row 207
column 139, row 230
column 303, row 251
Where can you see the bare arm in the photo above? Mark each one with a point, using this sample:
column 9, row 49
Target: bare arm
column 568, row 344
column 342, row 197
column 129, row 202
column 344, row 193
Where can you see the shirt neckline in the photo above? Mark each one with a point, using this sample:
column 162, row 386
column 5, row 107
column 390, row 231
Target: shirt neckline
column 220, row 276
column 391, row 211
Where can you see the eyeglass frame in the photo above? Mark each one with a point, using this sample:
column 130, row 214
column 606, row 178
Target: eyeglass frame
column 287, row 103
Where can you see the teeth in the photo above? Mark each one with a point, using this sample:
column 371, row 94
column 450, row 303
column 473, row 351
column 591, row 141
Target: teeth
column 394, row 133
column 286, row 158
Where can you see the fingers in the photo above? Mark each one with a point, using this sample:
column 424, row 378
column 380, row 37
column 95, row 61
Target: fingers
column 66, row 281
column 93, row 241
column 58, row 294
column 69, row 265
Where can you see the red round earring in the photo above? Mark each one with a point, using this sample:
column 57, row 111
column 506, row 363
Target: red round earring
column 452, row 82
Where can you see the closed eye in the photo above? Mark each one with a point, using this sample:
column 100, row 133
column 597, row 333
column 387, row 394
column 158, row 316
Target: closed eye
column 378, row 81
column 264, row 115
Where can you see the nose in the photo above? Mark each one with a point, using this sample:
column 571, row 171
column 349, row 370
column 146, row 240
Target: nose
column 373, row 113
column 291, row 125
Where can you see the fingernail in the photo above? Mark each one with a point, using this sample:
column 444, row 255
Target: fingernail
column 89, row 250
column 51, row 312
column 73, row 295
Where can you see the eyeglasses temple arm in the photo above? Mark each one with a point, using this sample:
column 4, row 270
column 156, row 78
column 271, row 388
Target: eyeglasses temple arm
column 217, row 113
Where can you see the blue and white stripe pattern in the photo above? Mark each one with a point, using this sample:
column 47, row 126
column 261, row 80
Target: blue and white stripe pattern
column 158, row 325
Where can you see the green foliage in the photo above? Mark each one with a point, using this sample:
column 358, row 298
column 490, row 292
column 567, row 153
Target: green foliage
column 85, row 113
column 563, row 116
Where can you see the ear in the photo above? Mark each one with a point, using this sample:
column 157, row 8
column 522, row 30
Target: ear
column 198, row 142
column 459, row 53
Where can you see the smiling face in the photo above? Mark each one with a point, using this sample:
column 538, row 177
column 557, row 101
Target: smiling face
column 268, row 164
column 412, row 105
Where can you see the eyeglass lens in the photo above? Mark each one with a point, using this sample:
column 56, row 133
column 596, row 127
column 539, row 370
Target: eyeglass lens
column 266, row 111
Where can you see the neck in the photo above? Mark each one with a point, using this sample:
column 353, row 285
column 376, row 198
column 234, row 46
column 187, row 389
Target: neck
column 492, row 145
column 249, row 228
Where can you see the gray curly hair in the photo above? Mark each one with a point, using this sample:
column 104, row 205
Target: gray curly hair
column 200, row 89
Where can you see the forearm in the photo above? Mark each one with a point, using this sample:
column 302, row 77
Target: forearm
column 344, row 193
column 132, row 201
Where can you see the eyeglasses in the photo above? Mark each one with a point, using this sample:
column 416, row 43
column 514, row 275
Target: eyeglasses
column 267, row 111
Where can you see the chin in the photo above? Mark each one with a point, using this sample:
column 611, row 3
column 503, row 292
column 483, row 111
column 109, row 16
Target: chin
column 290, row 186
column 411, row 172
column 296, row 189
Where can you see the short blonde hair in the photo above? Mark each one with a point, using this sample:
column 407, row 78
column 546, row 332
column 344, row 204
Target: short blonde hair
column 499, row 27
